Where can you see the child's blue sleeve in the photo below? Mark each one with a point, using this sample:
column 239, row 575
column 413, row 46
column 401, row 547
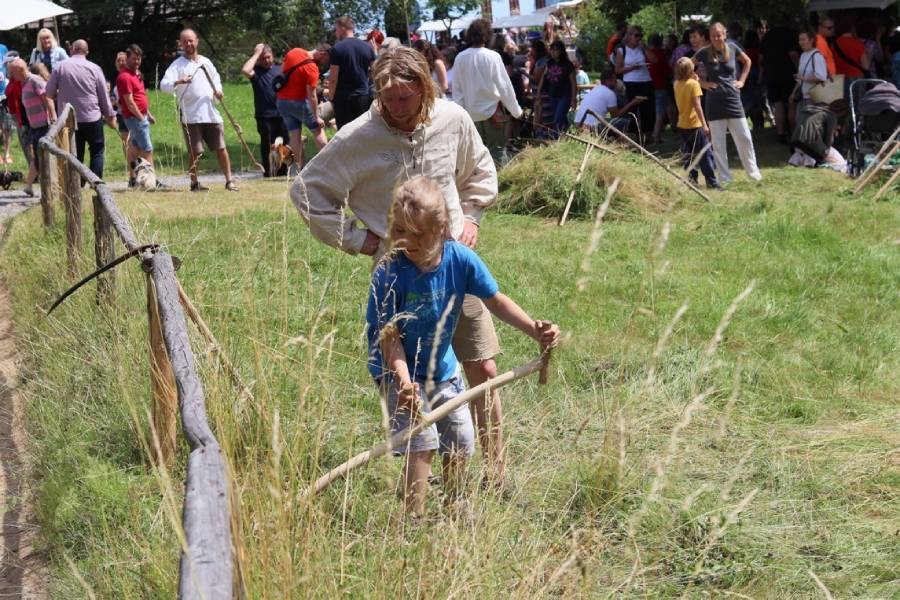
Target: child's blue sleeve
column 479, row 281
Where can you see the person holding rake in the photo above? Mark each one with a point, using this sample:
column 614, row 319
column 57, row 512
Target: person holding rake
column 415, row 301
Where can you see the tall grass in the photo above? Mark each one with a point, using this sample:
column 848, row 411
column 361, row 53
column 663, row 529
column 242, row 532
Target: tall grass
column 650, row 466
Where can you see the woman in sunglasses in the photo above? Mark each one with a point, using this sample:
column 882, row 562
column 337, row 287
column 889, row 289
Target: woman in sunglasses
column 632, row 66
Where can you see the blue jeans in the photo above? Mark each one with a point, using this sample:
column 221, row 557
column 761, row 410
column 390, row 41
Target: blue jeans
column 297, row 113
column 139, row 129
column 692, row 142
column 561, row 108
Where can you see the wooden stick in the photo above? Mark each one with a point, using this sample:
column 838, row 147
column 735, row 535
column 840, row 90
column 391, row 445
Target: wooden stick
column 649, row 155
column 890, row 146
column 207, row 335
column 234, row 123
column 562, row 219
column 162, row 383
column 544, row 375
column 104, row 252
column 423, row 423
column 71, row 193
column 43, row 157
column 888, row 184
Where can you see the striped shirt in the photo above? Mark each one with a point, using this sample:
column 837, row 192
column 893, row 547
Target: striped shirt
column 33, row 91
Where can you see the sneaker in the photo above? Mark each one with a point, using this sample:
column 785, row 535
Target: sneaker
column 196, row 186
column 231, row 186
column 29, row 191
column 694, row 179
column 715, row 188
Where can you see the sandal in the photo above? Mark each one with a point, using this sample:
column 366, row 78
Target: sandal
column 231, row 186
column 197, row 187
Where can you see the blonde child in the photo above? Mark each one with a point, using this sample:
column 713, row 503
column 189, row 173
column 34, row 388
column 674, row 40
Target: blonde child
column 692, row 124
column 415, row 300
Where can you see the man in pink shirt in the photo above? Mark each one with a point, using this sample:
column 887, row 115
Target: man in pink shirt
column 81, row 83
column 135, row 107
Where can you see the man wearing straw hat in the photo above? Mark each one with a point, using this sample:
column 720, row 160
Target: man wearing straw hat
column 409, row 132
column 194, row 94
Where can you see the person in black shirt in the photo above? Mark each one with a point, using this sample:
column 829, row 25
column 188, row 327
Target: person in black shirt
column 558, row 81
column 779, row 56
column 348, row 73
column 261, row 70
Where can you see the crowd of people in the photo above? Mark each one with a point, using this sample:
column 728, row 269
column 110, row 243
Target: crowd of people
column 421, row 134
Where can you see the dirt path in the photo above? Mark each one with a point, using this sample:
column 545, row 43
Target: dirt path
column 23, row 571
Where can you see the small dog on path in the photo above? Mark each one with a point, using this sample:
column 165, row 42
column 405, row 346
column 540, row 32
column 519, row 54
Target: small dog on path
column 144, row 174
column 8, row 177
column 280, row 156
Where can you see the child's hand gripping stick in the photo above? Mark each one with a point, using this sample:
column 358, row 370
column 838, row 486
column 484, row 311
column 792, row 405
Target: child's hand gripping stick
column 548, row 336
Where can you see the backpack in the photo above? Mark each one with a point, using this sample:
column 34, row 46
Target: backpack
column 280, row 80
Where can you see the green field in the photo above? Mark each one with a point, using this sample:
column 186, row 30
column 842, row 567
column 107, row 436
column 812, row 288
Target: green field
column 737, row 465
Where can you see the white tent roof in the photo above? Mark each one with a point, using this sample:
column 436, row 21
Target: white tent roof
column 535, row 19
column 21, row 12
column 824, row 5
column 440, row 25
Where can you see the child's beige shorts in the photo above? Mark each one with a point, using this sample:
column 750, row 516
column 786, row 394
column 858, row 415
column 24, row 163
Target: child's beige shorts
column 475, row 337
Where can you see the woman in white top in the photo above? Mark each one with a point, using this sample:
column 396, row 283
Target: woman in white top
column 811, row 69
column 631, row 65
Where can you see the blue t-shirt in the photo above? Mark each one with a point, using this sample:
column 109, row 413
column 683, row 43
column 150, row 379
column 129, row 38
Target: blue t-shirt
column 353, row 57
column 400, row 288
column 263, row 93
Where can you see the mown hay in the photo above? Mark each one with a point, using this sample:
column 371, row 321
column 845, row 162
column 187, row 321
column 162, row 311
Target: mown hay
column 538, row 182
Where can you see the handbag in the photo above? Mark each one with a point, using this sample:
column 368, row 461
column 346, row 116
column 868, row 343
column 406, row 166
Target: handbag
column 828, row 91
column 280, row 80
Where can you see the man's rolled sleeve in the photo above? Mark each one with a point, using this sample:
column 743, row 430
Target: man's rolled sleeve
column 320, row 195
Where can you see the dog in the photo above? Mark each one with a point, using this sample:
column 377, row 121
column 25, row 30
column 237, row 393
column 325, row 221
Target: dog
column 8, row 177
column 144, row 174
column 281, row 157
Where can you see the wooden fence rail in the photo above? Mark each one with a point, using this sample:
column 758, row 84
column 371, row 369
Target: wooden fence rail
column 206, row 563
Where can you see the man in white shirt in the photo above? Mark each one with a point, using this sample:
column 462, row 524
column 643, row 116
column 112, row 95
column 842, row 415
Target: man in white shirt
column 480, row 85
column 194, row 93
column 602, row 99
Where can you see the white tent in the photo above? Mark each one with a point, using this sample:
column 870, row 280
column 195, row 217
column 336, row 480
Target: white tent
column 441, row 25
column 824, row 5
column 16, row 13
column 535, row 19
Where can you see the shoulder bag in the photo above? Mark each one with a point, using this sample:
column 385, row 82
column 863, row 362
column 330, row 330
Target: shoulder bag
column 280, row 80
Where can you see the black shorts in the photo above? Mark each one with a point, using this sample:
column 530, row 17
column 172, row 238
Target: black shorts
column 779, row 91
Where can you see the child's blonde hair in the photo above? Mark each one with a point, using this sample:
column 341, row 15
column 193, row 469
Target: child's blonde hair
column 419, row 207
column 684, row 68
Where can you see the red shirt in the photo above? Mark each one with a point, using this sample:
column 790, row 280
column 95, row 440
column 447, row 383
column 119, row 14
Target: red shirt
column 308, row 74
column 132, row 83
column 660, row 74
column 14, row 98
column 611, row 43
column 854, row 49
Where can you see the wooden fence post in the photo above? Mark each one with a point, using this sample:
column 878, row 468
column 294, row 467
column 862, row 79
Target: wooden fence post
column 104, row 252
column 162, row 382
column 71, row 193
column 45, row 178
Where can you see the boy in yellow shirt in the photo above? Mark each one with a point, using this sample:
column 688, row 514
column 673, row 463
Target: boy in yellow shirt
column 692, row 123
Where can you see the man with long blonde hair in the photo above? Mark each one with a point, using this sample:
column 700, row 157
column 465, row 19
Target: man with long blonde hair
column 408, row 132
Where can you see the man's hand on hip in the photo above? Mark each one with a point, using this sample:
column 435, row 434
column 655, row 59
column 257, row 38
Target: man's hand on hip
column 469, row 235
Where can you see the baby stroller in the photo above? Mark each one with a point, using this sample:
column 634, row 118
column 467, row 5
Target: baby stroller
column 874, row 115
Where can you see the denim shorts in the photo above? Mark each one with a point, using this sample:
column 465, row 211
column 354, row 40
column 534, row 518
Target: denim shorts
column 295, row 113
column 661, row 101
column 139, row 129
column 454, row 433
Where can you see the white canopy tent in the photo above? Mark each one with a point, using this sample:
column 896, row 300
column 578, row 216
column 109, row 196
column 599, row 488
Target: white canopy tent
column 824, row 5
column 535, row 19
column 439, row 25
column 16, row 13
